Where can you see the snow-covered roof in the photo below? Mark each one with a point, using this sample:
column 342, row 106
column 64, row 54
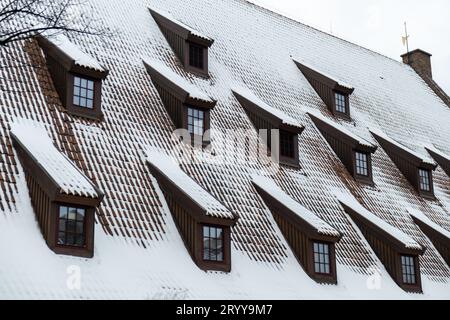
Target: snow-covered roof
column 353, row 204
column 191, row 90
column 192, row 31
column 270, row 187
column 74, row 52
column 325, row 74
column 250, row 96
column 424, row 219
column 422, row 157
column 341, row 129
column 33, row 138
column 437, row 151
column 136, row 239
column 188, row 186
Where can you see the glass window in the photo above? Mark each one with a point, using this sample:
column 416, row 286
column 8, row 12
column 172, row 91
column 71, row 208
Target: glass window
column 362, row 164
column 322, row 258
column 424, row 180
column 341, row 104
column 71, row 231
column 287, row 144
column 408, row 270
column 83, row 93
column 212, row 244
column 196, row 121
column 196, row 56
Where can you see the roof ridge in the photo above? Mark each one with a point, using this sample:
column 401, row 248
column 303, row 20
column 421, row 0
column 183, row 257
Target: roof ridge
column 272, row 11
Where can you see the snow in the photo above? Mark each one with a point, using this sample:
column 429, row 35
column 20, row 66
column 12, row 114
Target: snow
column 189, row 187
column 192, row 31
column 33, row 137
column 340, row 128
column 269, row 186
column 325, row 74
column 252, row 46
column 352, row 203
column 71, row 50
column 437, row 151
column 423, row 158
column 177, row 80
column 424, row 219
column 249, row 95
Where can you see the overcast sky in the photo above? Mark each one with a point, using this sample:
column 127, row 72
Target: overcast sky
column 379, row 25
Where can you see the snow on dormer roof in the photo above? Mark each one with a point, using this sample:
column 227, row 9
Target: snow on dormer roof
column 33, row 138
column 72, row 51
column 156, row 68
column 350, row 202
column 165, row 166
column 245, row 93
column 275, row 192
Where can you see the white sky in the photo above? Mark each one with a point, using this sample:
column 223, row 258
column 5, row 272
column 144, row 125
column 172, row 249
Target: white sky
column 379, row 25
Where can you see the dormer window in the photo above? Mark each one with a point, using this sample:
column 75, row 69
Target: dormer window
column 362, row 163
column 334, row 92
column 416, row 168
column 196, row 121
column 282, row 131
column 312, row 240
column 71, row 226
column 354, row 151
column 408, row 270
column 204, row 222
column 213, row 244
column 196, row 56
column 322, row 259
column 83, row 92
column 287, row 144
column 396, row 250
column 341, row 102
column 63, row 198
column 188, row 107
column 425, row 180
column 77, row 76
column 190, row 46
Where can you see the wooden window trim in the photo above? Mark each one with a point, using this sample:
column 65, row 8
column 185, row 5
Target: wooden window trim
column 415, row 288
column 86, row 251
column 207, row 265
column 428, row 194
column 361, row 178
column 96, row 112
column 201, row 72
column 206, row 124
column 331, row 277
column 344, row 115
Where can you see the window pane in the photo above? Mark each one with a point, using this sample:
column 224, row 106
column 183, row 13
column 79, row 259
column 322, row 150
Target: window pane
column 62, row 212
column 321, row 258
column 71, row 226
column 212, row 244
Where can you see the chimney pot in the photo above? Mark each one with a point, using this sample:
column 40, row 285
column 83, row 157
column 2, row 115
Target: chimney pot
column 420, row 61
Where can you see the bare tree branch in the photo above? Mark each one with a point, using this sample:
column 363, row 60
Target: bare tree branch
column 23, row 19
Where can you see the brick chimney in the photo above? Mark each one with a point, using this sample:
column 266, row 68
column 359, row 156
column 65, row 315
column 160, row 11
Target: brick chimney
column 420, row 61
